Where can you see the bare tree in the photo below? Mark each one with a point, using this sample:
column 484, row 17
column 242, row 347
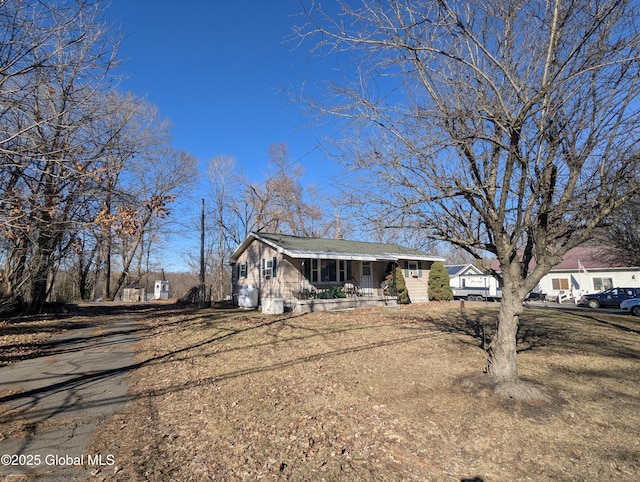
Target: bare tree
column 58, row 59
column 153, row 179
column 503, row 127
column 82, row 165
column 225, row 187
column 622, row 231
column 279, row 203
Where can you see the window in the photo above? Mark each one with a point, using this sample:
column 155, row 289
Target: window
column 559, row 284
column 413, row 267
column 315, row 270
column 243, row 267
column 269, row 267
column 344, row 270
column 600, row 284
column 327, row 270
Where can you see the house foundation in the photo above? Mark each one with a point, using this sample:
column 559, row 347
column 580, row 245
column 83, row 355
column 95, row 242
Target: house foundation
column 350, row 303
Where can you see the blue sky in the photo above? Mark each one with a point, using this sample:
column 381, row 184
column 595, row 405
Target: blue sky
column 222, row 72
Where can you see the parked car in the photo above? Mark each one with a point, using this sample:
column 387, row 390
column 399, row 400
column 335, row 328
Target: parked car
column 535, row 296
column 631, row 306
column 610, row 298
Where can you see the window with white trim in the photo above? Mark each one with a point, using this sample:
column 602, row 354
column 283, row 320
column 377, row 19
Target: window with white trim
column 315, row 270
column 344, row 270
column 413, row 268
column 268, row 267
column 601, row 284
column 327, row 270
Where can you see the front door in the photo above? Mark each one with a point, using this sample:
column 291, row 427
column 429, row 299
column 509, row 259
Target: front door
column 366, row 283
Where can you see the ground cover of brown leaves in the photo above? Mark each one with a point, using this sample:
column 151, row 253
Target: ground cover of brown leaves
column 26, row 337
column 377, row 394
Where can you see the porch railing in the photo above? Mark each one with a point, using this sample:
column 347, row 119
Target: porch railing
column 304, row 290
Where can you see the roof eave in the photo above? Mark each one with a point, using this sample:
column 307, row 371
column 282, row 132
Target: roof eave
column 299, row 253
column 233, row 259
column 304, row 254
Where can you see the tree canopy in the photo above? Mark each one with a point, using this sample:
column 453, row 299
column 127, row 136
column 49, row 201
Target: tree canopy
column 509, row 128
column 83, row 165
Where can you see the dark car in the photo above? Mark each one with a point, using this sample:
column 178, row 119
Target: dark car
column 610, row 298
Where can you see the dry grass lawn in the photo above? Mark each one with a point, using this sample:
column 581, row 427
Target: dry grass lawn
column 377, row 394
column 374, row 394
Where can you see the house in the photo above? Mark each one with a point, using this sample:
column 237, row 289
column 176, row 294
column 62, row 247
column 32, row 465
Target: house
column 588, row 269
column 469, row 282
column 585, row 269
column 312, row 274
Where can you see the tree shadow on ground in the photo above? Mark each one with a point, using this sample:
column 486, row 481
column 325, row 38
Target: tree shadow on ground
column 559, row 329
column 183, row 354
column 476, row 327
column 87, row 321
column 479, row 327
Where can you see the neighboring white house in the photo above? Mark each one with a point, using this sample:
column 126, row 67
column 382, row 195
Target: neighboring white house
column 588, row 269
column 468, row 281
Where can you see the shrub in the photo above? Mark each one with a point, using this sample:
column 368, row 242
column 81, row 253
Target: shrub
column 331, row 293
column 400, row 288
column 439, row 289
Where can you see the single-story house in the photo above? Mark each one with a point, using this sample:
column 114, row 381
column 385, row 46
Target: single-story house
column 586, row 269
column 313, row 274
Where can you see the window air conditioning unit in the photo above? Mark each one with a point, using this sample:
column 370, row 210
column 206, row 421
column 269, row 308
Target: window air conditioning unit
column 413, row 274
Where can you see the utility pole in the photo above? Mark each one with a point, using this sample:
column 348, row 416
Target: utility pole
column 203, row 289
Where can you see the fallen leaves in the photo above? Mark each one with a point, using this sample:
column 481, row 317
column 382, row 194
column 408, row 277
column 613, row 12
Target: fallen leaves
column 372, row 394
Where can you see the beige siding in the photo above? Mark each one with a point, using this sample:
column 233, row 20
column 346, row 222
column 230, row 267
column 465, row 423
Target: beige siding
column 292, row 277
column 253, row 255
column 418, row 287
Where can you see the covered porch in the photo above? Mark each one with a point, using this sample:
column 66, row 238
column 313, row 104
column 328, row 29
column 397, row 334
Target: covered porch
column 325, row 284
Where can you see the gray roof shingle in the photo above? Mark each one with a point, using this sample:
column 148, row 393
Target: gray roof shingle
column 298, row 247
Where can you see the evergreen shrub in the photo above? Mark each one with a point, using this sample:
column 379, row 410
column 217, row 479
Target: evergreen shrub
column 438, row 287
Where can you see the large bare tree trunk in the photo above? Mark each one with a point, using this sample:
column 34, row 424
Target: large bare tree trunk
column 502, row 360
